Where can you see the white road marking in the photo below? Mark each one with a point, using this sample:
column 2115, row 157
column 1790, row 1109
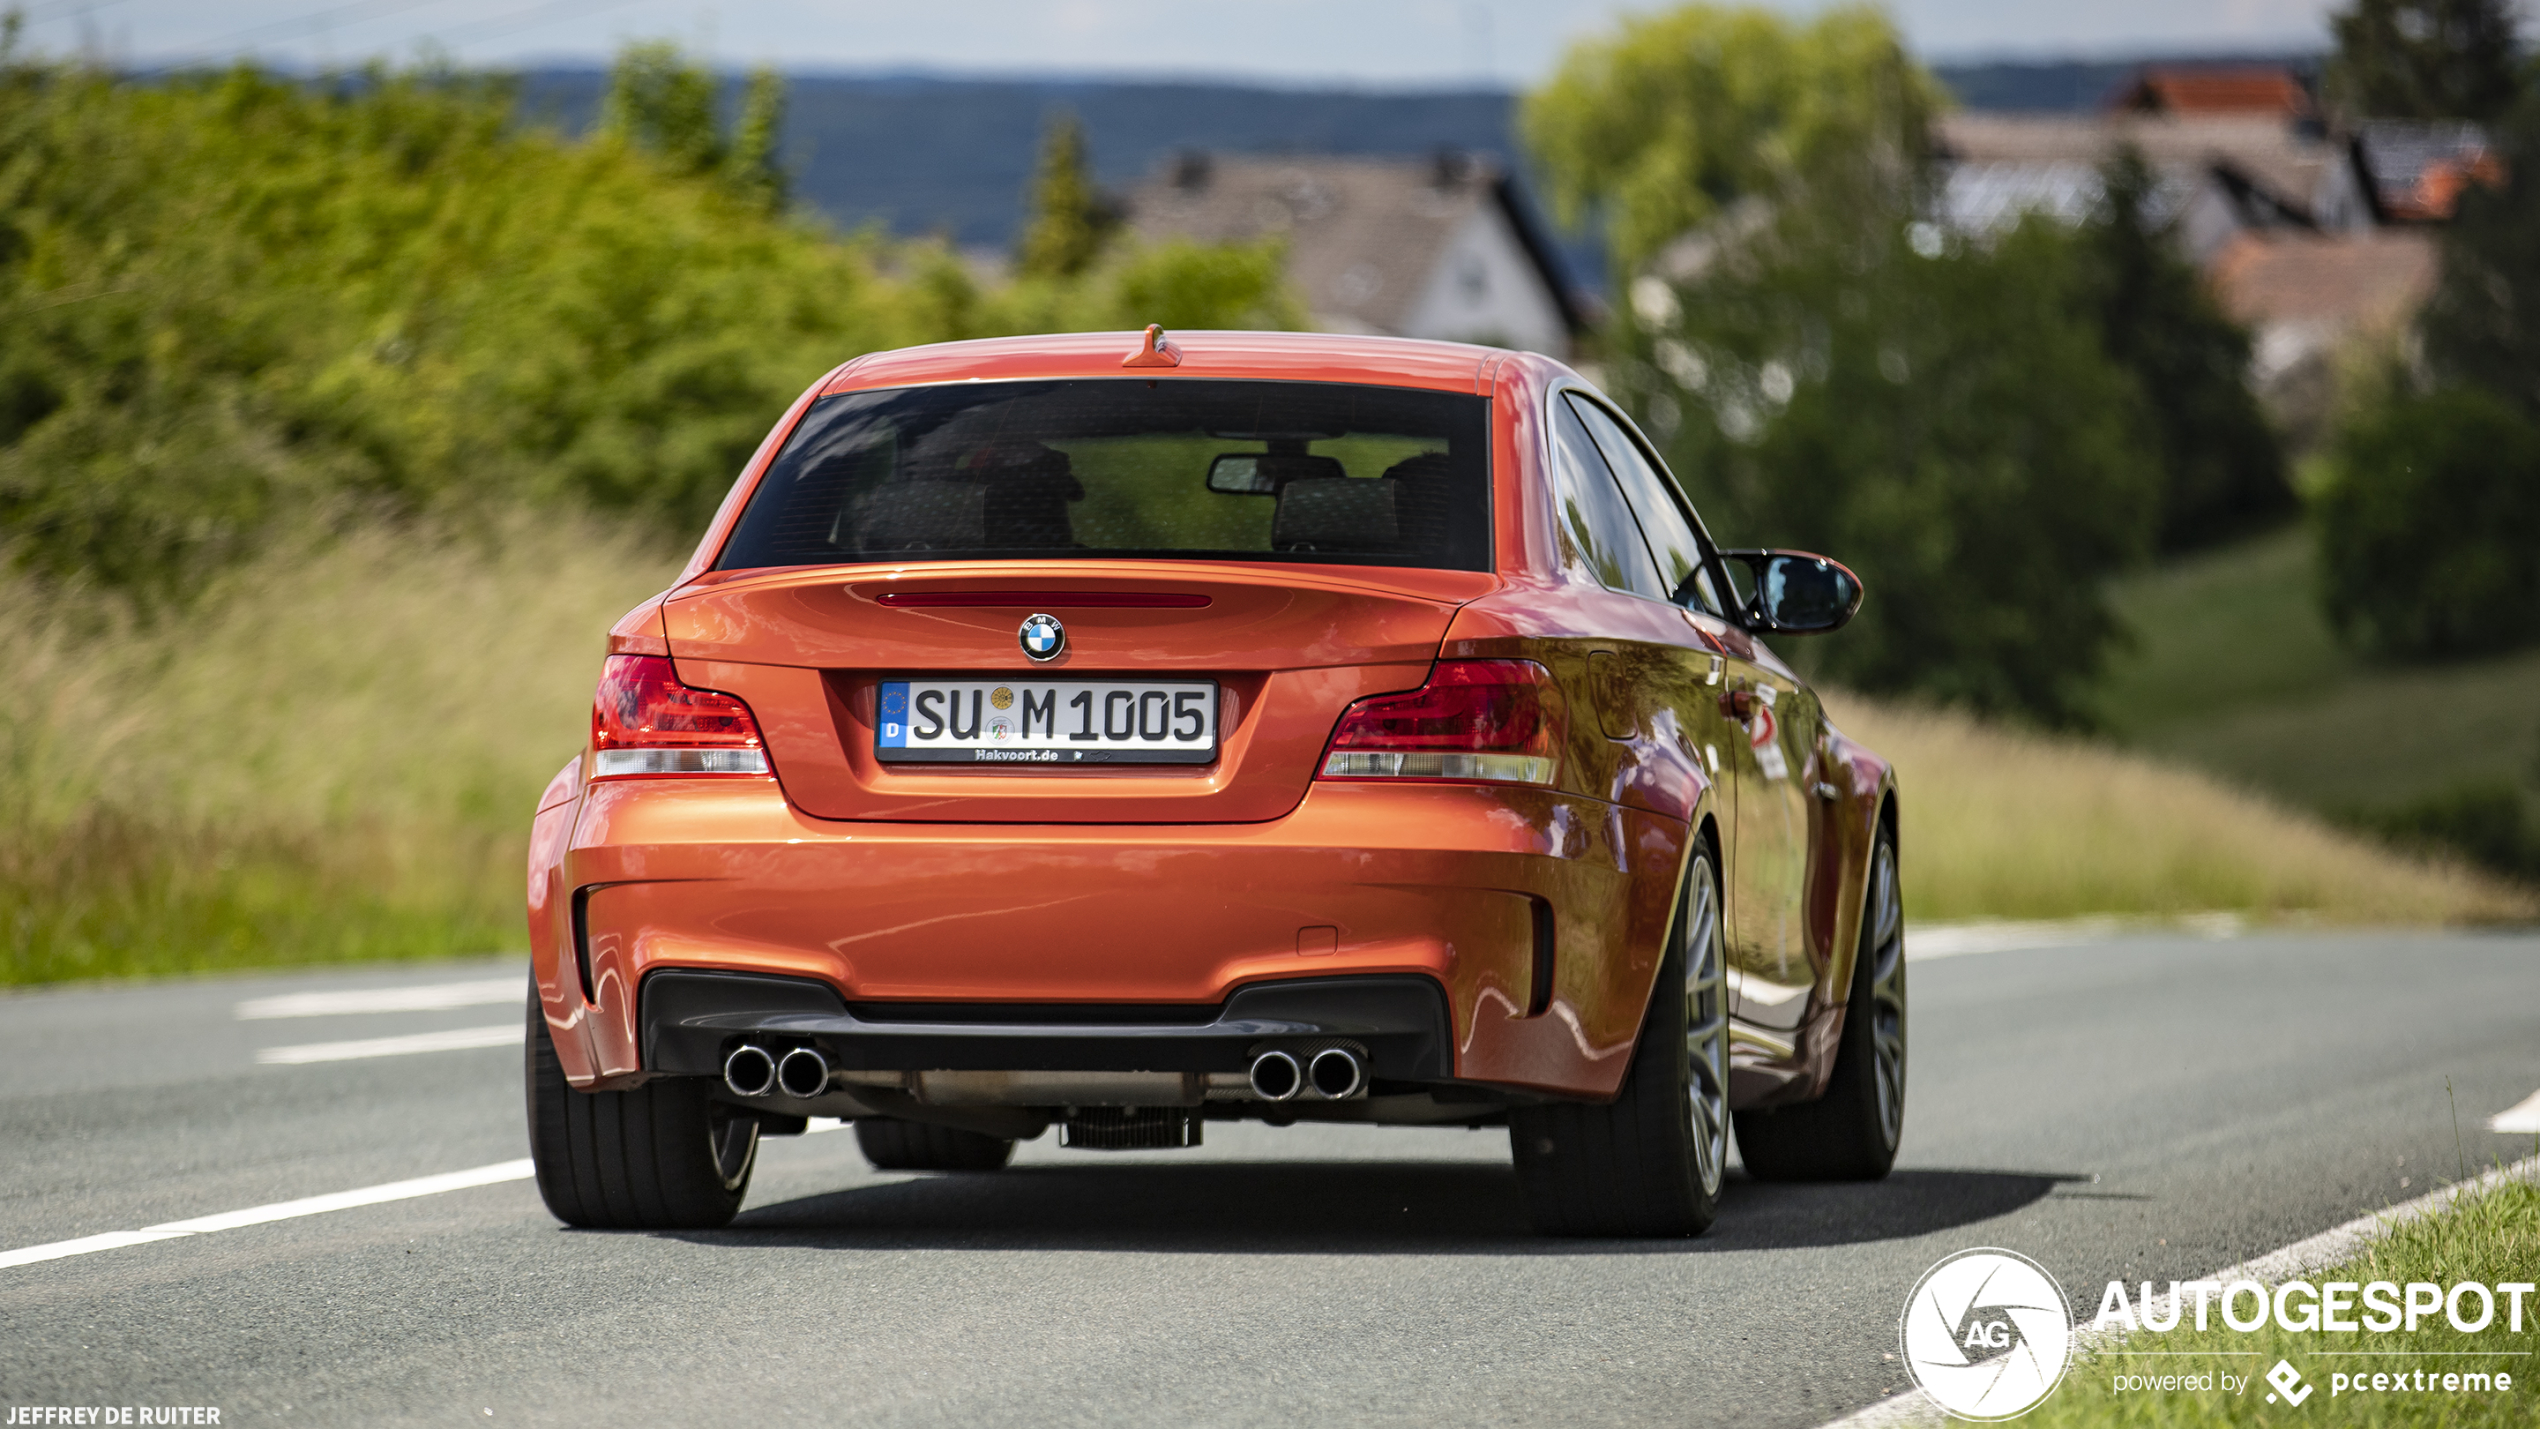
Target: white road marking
column 495, row 1174
column 1952, row 940
column 501, row 1034
column 431, row 997
column 2522, row 1116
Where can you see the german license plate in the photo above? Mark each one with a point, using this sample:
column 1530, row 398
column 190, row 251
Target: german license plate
column 1053, row 722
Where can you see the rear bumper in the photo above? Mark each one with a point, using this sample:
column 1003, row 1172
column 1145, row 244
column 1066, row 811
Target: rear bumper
column 692, row 1020
column 1438, row 883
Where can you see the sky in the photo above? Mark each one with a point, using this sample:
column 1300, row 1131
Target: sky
column 1372, row 43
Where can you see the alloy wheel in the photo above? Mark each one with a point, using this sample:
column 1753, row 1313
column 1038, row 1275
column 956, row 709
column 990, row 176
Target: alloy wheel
column 732, row 1139
column 1887, row 988
column 1706, row 1025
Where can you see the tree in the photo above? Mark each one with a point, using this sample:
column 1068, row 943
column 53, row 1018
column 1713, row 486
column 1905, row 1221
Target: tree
column 1069, row 219
column 2222, row 469
column 2427, row 526
column 1945, row 420
column 1826, row 369
column 662, row 102
column 1678, row 116
column 752, row 167
column 2482, row 325
column 2423, row 59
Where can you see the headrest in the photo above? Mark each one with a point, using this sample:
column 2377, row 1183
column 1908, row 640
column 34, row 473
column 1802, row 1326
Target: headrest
column 1335, row 514
column 1012, row 461
column 922, row 516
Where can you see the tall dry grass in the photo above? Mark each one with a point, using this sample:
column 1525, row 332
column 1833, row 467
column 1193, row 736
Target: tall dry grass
column 330, row 755
column 2003, row 823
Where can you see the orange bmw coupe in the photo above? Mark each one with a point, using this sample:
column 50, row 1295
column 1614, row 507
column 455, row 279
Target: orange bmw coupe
column 1125, row 733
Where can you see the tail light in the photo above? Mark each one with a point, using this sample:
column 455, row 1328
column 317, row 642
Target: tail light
column 1495, row 721
column 643, row 721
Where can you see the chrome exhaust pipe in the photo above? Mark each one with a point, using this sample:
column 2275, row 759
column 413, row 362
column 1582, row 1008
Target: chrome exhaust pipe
column 1276, row 1077
column 749, row 1071
column 802, row 1074
column 1335, row 1074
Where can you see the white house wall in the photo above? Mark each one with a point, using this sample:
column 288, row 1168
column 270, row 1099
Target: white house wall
column 1486, row 289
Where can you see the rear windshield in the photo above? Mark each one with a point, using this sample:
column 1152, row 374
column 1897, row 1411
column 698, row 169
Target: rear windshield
column 1128, row 467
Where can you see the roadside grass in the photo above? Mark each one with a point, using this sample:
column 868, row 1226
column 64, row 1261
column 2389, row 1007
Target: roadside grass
column 330, row 757
column 2491, row 1239
column 2234, row 670
column 2008, row 823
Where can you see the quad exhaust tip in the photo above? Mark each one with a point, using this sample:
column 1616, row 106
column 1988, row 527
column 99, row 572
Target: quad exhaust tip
column 1332, row 1074
column 1276, row 1077
column 802, row 1074
column 1335, row 1074
column 750, row 1071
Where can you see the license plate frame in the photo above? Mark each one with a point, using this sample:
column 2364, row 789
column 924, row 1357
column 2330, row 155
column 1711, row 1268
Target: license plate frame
column 1045, row 723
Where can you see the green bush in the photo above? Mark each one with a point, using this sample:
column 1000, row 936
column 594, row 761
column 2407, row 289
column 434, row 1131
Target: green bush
column 1949, row 425
column 238, row 300
column 2484, row 821
column 2429, row 525
column 1957, row 421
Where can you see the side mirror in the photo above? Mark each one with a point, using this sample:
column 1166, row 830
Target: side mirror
column 1797, row 593
column 1239, row 474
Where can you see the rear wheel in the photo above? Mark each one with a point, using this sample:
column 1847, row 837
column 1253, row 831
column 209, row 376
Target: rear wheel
column 1850, row 1133
column 895, row 1145
column 1648, row 1163
column 664, row 1156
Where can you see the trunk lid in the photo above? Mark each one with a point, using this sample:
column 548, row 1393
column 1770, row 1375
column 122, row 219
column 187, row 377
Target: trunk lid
column 1288, row 646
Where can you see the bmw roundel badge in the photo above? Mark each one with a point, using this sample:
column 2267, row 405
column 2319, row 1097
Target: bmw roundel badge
column 1043, row 638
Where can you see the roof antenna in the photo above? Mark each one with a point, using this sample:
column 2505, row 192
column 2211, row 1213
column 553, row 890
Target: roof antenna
column 1156, row 353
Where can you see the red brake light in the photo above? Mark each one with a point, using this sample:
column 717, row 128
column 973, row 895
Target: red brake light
column 1495, row 721
column 643, row 721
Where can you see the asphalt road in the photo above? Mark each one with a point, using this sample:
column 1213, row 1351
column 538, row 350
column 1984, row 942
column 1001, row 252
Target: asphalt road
column 2144, row 1107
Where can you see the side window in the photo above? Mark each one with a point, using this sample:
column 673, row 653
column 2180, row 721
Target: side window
column 1671, row 536
column 1595, row 524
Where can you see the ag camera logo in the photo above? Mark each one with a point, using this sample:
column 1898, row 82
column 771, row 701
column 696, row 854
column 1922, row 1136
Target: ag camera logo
column 1987, row 1334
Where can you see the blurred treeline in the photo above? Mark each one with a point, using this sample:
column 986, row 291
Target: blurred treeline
column 339, row 418
column 1987, row 429
column 235, row 303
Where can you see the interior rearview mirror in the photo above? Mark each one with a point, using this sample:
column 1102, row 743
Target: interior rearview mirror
column 1240, row 474
column 1798, row 592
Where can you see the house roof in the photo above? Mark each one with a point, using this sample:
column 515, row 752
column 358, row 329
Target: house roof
column 2347, row 282
column 2258, row 91
column 2418, row 168
column 1363, row 234
column 2276, row 157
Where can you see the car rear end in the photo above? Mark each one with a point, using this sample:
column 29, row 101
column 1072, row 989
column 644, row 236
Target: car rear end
column 1038, row 739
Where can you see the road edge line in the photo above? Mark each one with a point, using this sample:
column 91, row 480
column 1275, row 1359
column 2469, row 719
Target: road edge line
column 493, row 1175
column 2289, row 1262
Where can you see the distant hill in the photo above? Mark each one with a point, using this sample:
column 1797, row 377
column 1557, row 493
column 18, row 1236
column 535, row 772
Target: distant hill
column 922, row 154
column 927, row 155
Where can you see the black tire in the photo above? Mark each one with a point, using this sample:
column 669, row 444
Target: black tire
column 1649, row 1162
column 664, row 1156
column 1850, row 1133
column 895, row 1145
